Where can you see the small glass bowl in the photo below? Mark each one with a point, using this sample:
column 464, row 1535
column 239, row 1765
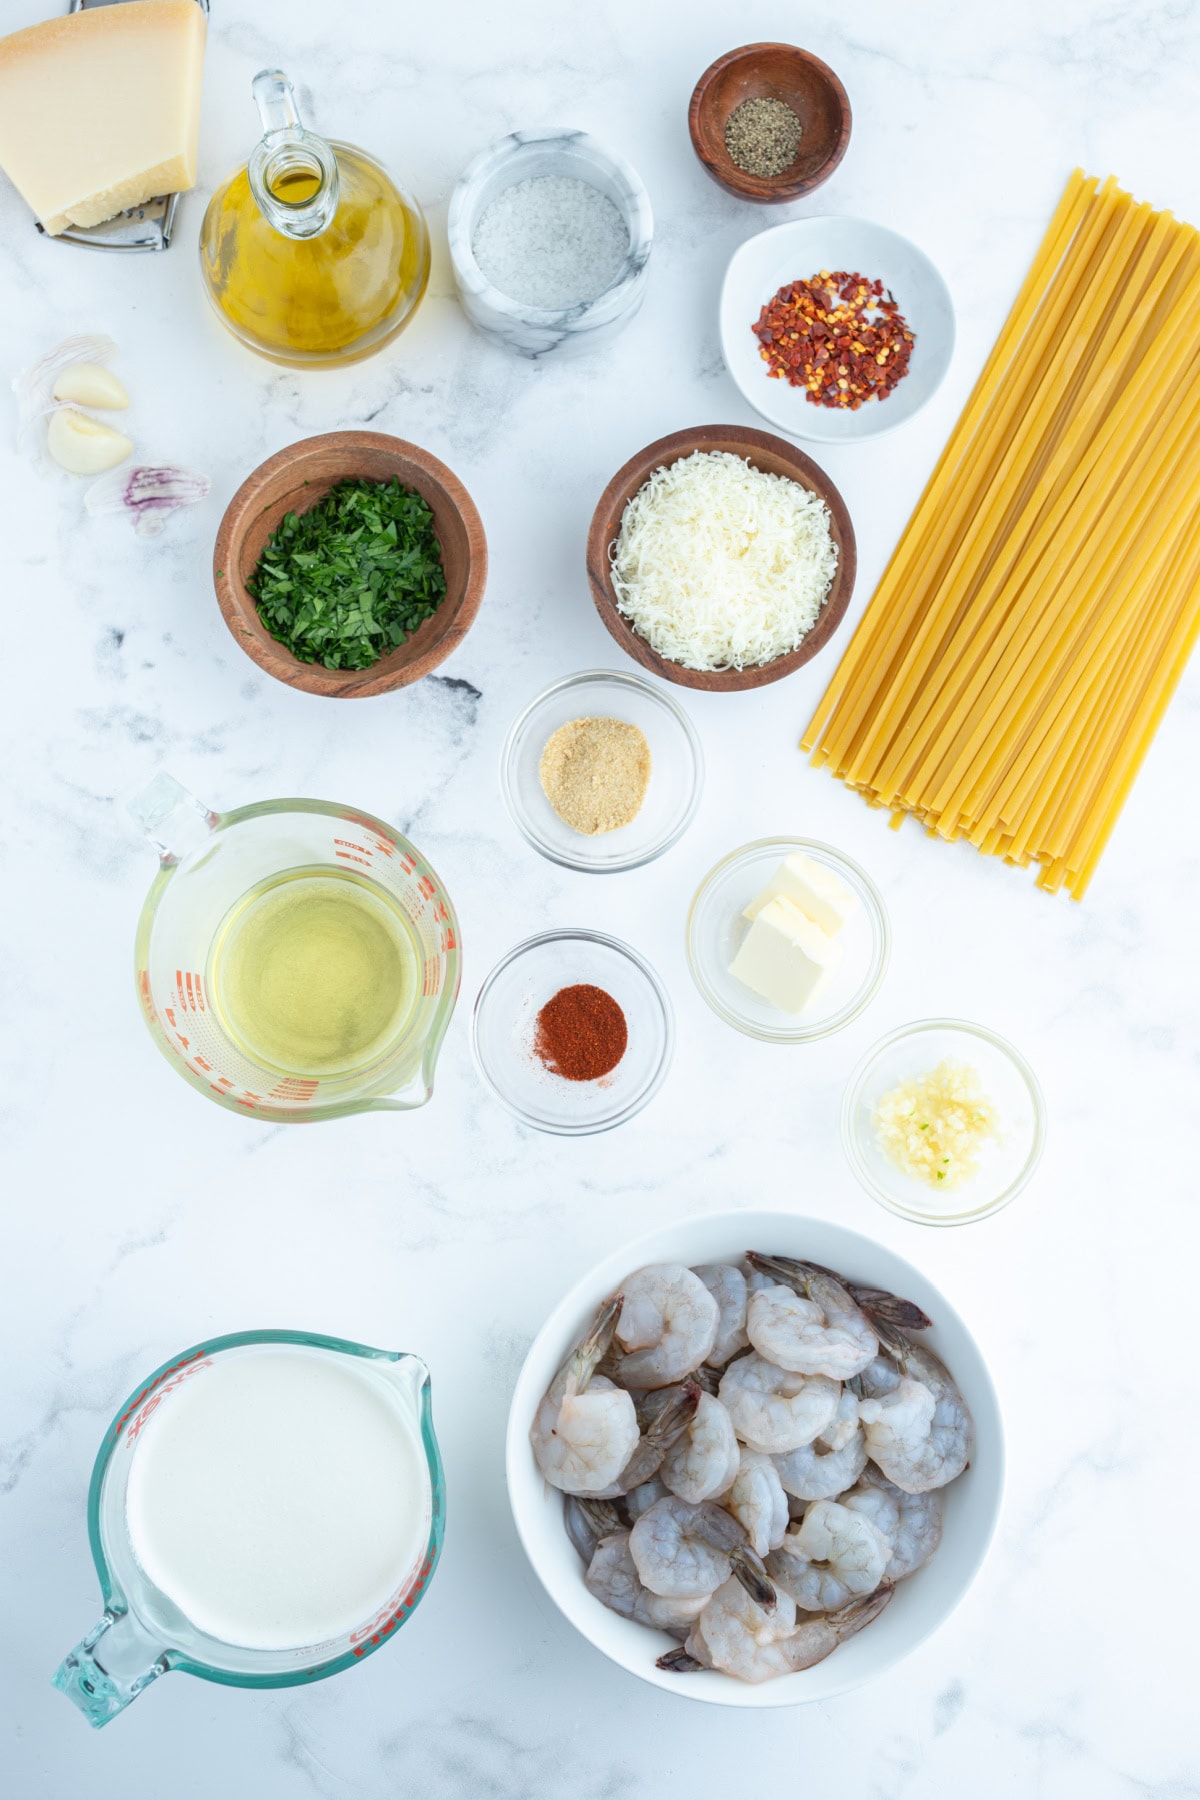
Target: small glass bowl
column 1005, row 1166
column 505, row 1016
column 715, row 929
column 676, row 771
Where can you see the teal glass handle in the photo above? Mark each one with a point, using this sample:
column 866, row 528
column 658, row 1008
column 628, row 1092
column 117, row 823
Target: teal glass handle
column 109, row 1668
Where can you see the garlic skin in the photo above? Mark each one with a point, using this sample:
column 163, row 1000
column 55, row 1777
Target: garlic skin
column 82, row 445
column 147, row 494
column 89, row 384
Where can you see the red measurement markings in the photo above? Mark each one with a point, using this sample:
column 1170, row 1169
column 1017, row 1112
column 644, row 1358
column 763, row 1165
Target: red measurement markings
column 194, row 1360
column 364, row 862
column 293, row 1089
column 368, row 828
column 441, row 916
column 367, row 1637
column 189, row 989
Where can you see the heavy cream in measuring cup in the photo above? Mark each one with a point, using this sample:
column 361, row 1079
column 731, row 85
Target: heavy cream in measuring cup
column 280, row 1497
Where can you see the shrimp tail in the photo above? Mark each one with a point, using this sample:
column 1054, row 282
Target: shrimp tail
column 892, row 1341
column 666, row 1413
column 748, row 1568
column 678, row 1662
column 861, row 1611
column 604, row 1516
column 878, row 1303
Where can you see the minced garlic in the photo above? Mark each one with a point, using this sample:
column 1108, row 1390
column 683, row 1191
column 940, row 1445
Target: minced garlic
column 934, row 1127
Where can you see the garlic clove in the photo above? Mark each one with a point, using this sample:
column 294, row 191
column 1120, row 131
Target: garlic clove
column 89, row 384
column 84, row 446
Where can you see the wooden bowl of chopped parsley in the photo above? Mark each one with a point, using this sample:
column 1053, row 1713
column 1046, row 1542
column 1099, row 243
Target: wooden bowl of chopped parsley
column 350, row 564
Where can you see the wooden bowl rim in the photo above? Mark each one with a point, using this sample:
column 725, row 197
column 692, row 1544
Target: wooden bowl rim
column 741, row 439
column 774, row 189
column 398, row 668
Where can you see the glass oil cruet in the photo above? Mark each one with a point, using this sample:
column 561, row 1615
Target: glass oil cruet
column 310, row 253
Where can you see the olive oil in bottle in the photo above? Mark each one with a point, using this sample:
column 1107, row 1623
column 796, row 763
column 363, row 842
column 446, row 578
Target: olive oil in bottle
column 315, row 972
column 310, row 252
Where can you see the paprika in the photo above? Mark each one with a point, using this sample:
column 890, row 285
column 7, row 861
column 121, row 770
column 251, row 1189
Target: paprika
column 580, row 1033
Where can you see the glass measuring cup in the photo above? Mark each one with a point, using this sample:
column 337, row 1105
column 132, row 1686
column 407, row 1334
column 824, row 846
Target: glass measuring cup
column 142, row 1633
column 212, row 860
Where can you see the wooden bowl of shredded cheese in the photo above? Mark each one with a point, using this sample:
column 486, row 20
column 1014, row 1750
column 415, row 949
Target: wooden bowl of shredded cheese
column 721, row 558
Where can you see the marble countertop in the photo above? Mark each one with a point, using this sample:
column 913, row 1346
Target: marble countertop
column 139, row 1220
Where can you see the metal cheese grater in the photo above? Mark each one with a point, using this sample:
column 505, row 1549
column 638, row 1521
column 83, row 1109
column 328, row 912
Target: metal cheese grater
column 145, row 227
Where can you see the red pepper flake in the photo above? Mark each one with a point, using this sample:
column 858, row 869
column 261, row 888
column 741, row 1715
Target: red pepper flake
column 839, row 335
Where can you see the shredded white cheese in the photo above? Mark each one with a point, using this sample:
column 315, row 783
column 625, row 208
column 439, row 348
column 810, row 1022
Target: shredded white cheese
column 934, row 1127
column 720, row 565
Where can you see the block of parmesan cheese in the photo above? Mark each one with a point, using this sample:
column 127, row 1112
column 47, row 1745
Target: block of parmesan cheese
column 100, row 109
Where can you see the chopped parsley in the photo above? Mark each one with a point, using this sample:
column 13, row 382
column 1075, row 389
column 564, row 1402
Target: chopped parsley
column 352, row 578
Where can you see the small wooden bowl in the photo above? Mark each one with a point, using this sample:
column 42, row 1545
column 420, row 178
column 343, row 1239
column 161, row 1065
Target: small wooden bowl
column 772, row 72
column 295, row 479
column 763, row 451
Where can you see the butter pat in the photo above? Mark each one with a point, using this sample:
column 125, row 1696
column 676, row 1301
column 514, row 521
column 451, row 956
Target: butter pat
column 811, row 886
column 785, row 958
column 100, row 109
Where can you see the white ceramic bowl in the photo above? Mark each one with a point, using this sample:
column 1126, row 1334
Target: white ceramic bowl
column 676, row 771
column 1005, row 1165
column 922, row 1602
column 798, row 250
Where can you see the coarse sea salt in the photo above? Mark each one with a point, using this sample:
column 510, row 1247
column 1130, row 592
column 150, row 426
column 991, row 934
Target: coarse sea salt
column 551, row 242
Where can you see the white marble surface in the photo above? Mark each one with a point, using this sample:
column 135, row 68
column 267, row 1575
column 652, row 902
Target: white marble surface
column 138, row 1219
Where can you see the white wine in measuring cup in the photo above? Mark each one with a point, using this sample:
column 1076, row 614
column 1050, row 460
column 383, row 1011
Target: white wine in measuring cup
column 294, row 959
column 266, row 1508
column 315, row 973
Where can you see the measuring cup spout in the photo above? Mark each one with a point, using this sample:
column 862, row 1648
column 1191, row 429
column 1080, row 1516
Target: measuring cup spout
column 174, row 820
column 114, row 1662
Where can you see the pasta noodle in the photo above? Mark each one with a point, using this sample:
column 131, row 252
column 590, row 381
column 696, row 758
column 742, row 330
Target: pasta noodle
column 1018, row 654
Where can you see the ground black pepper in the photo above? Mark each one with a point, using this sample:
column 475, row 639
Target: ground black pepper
column 762, row 137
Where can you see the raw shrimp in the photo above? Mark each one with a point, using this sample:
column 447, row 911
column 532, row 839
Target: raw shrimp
column 814, row 1638
column 584, row 1432
column 704, row 1458
column 834, row 1556
column 758, row 1501
column 912, row 1523
column 920, row 1433
column 682, row 1551
column 727, row 1285
column 587, row 1521
column 612, row 1576
column 740, row 1636
column 663, row 1415
column 668, row 1325
column 775, row 1409
column 808, row 1322
column 640, row 1499
column 833, row 1461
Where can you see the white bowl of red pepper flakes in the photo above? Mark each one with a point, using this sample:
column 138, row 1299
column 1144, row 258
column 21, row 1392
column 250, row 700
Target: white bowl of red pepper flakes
column 835, row 329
